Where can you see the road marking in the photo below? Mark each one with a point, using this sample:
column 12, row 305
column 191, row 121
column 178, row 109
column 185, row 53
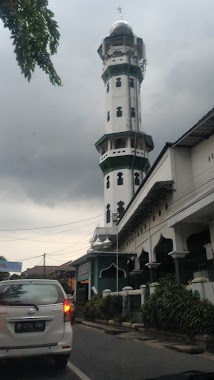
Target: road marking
column 77, row 371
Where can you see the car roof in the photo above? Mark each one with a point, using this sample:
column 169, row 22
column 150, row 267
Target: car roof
column 32, row 280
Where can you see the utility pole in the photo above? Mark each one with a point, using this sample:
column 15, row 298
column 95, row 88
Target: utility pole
column 44, row 265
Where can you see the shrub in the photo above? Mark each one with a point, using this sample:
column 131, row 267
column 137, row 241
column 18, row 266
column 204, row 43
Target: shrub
column 174, row 308
column 92, row 309
column 110, row 307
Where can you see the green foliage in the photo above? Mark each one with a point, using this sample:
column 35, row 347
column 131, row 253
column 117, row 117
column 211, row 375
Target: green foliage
column 92, row 309
column 35, row 35
column 110, row 307
column 15, row 276
column 174, row 308
column 4, row 275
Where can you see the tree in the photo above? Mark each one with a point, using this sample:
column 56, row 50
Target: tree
column 35, row 35
column 15, row 276
column 3, row 275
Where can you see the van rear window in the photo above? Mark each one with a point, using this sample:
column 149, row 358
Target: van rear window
column 30, row 293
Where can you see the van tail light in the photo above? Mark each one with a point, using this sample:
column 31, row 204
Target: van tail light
column 67, row 310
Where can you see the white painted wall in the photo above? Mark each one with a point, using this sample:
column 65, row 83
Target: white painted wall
column 193, row 173
column 125, row 97
column 162, row 172
column 202, row 166
column 117, row 192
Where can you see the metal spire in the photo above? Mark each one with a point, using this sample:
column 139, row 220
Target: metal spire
column 120, row 11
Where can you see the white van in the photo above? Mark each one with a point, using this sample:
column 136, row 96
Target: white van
column 35, row 320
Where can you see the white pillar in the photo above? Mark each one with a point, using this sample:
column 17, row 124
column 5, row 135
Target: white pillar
column 152, row 287
column 143, row 294
column 106, row 293
column 198, row 287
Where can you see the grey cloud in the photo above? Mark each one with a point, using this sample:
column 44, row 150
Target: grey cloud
column 47, row 134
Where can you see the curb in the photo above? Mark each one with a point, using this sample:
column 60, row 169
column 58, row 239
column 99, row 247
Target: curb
column 193, row 350
column 176, row 343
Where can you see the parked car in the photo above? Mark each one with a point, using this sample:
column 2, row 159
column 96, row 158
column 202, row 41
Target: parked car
column 35, row 320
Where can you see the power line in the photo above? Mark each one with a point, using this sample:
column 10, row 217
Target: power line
column 66, row 254
column 29, row 258
column 53, row 233
column 53, row 226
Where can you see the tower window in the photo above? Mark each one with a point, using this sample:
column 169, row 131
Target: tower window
column 120, row 178
column 108, row 115
column 107, row 87
column 132, row 112
column 120, row 208
column 119, row 111
column 137, row 179
column 108, row 182
column 108, row 214
column 118, row 82
column 132, row 143
column 131, row 82
column 120, row 143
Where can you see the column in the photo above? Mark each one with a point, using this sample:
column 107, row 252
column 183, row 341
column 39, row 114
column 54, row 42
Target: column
column 177, row 257
column 153, row 267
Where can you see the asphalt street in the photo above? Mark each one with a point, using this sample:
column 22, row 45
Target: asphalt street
column 99, row 356
column 113, row 357
column 34, row 369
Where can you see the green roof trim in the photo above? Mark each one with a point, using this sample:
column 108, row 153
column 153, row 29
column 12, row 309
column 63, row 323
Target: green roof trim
column 124, row 162
column 139, row 135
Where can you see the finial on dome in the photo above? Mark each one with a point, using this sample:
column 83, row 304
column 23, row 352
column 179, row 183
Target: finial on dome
column 120, row 11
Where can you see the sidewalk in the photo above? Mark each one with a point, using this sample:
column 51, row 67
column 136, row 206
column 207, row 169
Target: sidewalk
column 174, row 341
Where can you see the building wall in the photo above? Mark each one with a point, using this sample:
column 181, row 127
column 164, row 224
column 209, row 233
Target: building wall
column 194, row 181
column 124, row 96
column 162, row 172
column 122, row 192
column 202, row 157
column 190, row 169
column 146, row 237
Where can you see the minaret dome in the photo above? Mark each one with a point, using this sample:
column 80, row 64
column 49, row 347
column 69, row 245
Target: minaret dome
column 121, row 27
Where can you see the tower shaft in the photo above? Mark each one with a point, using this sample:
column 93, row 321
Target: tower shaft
column 123, row 148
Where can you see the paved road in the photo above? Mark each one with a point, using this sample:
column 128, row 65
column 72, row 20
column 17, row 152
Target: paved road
column 34, row 369
column 98, row 356
column 109, row 357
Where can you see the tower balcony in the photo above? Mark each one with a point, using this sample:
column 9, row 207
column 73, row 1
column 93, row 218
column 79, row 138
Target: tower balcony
column 123, row 152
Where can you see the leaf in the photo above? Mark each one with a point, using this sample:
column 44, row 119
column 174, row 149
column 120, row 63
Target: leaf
column 34, row 33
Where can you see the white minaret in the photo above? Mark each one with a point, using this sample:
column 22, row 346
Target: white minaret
column 123, row 148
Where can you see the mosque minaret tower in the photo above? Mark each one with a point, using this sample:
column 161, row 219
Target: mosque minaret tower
column 124, row 147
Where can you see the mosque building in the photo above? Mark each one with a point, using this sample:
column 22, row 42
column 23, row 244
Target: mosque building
column 157, row 219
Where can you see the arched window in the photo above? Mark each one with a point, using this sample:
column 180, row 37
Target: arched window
column 118, row 82
column 132, row 112
column 131, row 82
column 108, row 115
column 137, row 179
column 119, row 111
column 107, row 87
column 107, row 182
column 120, row 178
column 108, row 214
column 120, row 208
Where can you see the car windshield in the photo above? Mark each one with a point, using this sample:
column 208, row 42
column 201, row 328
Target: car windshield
column 30, row 294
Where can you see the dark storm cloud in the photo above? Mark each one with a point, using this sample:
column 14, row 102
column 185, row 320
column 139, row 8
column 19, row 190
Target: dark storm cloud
column 47, row 134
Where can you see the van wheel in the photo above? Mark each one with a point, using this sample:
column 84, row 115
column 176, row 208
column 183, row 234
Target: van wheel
column 61, row 361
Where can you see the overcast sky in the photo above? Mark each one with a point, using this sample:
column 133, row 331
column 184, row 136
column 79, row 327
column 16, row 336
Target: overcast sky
column 49, row 173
